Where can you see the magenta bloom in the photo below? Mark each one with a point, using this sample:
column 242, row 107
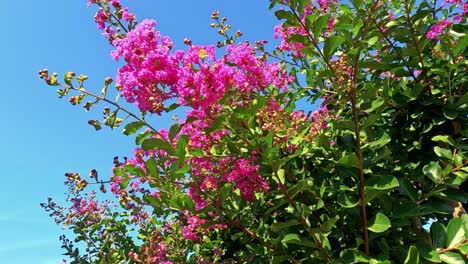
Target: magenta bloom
column 436, row 29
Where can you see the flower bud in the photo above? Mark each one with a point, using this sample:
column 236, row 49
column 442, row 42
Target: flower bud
column 215, row 14
column 187, row 41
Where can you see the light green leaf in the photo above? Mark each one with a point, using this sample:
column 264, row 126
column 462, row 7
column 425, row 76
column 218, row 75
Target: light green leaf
column 382, row 141
column 442, row 152
column 452, row 258
column 413, row 256
column 290, row 238
column 350, row 160
column 455, row 232
column 433, row 171
column 444, row 138
column 379, row 224
column 345, row 202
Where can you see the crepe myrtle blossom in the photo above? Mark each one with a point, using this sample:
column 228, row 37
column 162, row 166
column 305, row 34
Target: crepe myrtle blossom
column 436, row 29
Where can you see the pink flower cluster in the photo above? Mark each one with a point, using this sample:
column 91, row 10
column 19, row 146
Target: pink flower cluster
column 436, row 29
column 148, row 63
column 152, row 74
column 247, row 179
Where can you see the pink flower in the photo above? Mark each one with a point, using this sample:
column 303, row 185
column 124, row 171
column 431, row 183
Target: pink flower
column 331, row 23
column 101, row 18
column 127, row 16
column 116, row 3
column 436, row 29
column 247, row 179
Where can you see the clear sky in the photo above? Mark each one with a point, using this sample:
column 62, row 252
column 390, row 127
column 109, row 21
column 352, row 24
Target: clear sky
column 42, row 137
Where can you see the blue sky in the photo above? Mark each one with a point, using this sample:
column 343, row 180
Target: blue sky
column 42, row 137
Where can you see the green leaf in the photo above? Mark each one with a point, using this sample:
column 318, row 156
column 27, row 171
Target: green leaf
column 444, row 138
column 331, row 44
column 442, row 152
column 132, row 128
column 290, row 238
column 382, row 182
column 452, row 258
column 462, row 44
column 375, row 104
column 280, row 174
column 157, row 144
column 142, row 136
column 413, row 256
column 438, row 235
column 382, row 141
column 151, row 168
column 464, row 249
column 350, row 160
column 173, row 131
column 353, row 256
column 433, row 171
column 379, row 185
column 319, row 25
column 430, row 254
column 135, row 170
column 455, row 232
column 276, row 227
column 408, row 189
column 182, row 143
column 379, row 224
column 197, row 152
column 345, row 202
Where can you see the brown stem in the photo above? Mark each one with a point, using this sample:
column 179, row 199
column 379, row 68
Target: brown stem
column 357, row 131
column 119, row 107
column 440, row 251
column 362, row 194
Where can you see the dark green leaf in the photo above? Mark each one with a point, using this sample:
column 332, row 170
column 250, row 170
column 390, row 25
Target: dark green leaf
column 157, row 144
column 319, row 25
column 276, row 227
column 132, row 128
column 353, row 256
column 151, row 168
column 182, row 143
column 408, row 189
column 438, row 235
column 331, row 44
column 173, row 131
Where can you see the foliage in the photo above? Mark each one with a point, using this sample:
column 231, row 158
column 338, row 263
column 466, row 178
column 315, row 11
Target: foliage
column 247, row 177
